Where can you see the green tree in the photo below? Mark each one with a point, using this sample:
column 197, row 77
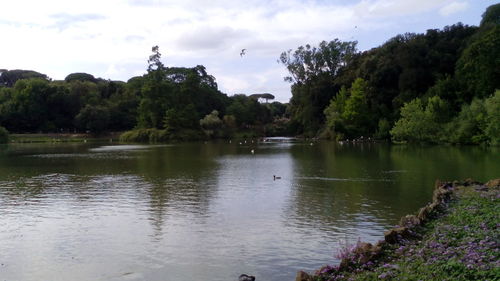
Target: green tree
column 313, row 70
column 308, row 62
column 93, row 118
column 478, row 68
column 383, row 131
column 80, row 76
column 9, row 78
column 178, row 119
column 348, row 112
column 211, row 123
column 334, row 111
column 492, row 130
column 491, row 15
column 356, row 113
column 414, row 124
column 468, row 127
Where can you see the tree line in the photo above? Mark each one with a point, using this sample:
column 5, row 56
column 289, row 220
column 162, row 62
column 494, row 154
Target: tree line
column 440, row 86
column 165, row 103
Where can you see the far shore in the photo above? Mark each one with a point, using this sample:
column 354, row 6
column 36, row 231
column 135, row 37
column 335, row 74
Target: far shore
column 62, row 137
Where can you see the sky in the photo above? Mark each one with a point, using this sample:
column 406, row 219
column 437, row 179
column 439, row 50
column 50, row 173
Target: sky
column 112, row 39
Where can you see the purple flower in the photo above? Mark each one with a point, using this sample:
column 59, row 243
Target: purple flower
column 383, row 275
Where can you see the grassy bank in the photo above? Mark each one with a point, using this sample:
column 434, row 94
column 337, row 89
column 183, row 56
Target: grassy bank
column 455, row 237
column 50, row 138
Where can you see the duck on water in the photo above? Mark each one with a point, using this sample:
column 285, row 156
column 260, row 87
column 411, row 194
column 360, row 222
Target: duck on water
column 244, row 277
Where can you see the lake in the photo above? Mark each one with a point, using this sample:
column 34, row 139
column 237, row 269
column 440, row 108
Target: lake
column 209, row 211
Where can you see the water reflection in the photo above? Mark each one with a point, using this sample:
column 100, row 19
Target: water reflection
column 208, row 211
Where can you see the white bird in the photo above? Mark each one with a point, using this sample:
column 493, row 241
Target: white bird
column 253, row 151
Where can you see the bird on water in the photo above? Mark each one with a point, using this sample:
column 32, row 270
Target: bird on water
column 244, row 277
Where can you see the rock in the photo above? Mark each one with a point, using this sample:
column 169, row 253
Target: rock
column 424, row 213
column 481, row 188
column 395, row 235
column 470, row 181
column 409, row 221
column 381, row 244
column 363, row 253
column 244, row 277
column 441, row 194
column 437, row 184
column 366, row 252
column 302, row 276
column 493, row 183
column 325, row 269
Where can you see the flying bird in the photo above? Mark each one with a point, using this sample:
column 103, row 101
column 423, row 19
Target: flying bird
column 242, row 52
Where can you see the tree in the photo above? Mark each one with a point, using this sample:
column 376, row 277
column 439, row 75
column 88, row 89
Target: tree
column 313, row 71
column 491, row 15
column 414, row 124
column 93, row 118
column 492, row 129
column 356, row 114
column 154, row 93
column 211, row 123
column 468, row 127
column 266, row 96
column 334, row 111
column 348, row 112
column 154, row 62
column 478, row 68
column 177, row 119
column 9, row 77
column 308, row 62
column 80, row 76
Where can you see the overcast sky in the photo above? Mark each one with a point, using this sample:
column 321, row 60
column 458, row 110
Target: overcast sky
column 112, row 39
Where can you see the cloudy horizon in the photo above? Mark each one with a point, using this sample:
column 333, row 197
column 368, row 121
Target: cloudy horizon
column 113, row 39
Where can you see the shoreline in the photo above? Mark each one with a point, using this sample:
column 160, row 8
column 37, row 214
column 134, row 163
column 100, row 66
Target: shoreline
column 61, row 137
column 421, row 246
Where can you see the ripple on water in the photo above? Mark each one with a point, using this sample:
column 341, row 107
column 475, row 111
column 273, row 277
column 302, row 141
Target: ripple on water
column 343, row 179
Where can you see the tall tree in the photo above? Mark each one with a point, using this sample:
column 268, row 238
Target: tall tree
column 313, row 71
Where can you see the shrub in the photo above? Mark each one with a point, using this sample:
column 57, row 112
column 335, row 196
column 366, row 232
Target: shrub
column 144, row 135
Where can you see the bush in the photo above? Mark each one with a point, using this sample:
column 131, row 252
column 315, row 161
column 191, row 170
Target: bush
column 492, row 129
column 157, row 135
column 144, row 135
column 4, row 135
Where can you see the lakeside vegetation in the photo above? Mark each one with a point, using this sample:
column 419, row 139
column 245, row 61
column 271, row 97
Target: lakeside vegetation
column 437, row 87
column 457, row 239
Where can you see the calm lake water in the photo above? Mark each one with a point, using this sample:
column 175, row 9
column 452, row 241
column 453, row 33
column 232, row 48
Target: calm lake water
column 211, row 211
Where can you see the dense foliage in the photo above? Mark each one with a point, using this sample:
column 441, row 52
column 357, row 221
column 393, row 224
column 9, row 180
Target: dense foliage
column 415, row 87
column 166, row 103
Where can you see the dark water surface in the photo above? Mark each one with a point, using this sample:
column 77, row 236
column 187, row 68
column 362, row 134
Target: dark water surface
column 190, row 212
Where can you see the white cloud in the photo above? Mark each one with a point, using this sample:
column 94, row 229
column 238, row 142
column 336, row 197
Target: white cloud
column 114, row 37
column 453, row 8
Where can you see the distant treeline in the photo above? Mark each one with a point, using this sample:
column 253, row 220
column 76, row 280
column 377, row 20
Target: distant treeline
column 433, row 87
column 176, row 101
column 437, row 87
